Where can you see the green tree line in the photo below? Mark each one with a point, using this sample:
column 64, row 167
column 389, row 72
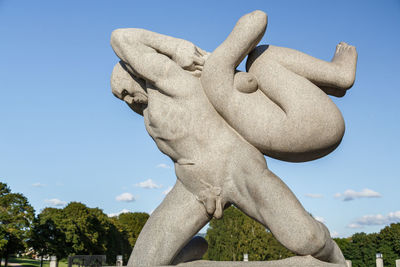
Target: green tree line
column 77, row 229
column 236, row 234
column 73, row 230
column 361, row 248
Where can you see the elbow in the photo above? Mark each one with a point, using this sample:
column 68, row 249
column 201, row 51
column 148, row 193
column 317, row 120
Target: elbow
column 118, row 37
column 124, row 36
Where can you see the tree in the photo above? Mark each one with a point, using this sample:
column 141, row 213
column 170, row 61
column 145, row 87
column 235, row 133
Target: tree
column 131, row 223
column 77, row 230
column 236, row 234
column 361, row 249
column 46, row 238
column 16, row 215
column 389, row 244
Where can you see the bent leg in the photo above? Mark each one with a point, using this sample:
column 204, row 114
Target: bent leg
column 312, row 127
column 268, row 200
column 335, row 76
column 169, row 228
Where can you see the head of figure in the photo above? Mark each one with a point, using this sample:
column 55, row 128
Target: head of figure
column 129, row 88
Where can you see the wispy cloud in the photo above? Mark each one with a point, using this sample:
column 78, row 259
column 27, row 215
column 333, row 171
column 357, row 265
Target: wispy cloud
column 166, row 191
column 38, row 185
column 354, row 226
column 149, row 184
column 163, row 166
column 55, row 202
column 125, row 197
column 377, row 219
column 118, row 213
column 310, row 195
column 351, row 194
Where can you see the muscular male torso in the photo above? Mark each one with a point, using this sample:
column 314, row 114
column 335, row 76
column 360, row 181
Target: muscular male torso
column 187, row 129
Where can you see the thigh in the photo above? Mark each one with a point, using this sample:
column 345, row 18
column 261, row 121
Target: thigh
column 169, row 228
column 312, row 125
column 267, row 199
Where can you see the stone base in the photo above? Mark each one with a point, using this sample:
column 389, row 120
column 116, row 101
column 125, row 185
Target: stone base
column 297, row 261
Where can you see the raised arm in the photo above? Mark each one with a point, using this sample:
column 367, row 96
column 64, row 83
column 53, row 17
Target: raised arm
column 156, row 57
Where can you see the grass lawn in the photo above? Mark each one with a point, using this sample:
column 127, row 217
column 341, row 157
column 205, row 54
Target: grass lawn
column 36, row 263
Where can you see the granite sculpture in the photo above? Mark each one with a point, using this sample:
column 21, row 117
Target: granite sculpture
column 217, row 123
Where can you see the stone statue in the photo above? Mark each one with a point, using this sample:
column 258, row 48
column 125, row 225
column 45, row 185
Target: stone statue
column 217, row 123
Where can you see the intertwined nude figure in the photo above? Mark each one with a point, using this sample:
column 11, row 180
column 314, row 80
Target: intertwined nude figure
column 216, row 124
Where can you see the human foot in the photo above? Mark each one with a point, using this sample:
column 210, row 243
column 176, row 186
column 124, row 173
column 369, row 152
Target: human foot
column 345, row 59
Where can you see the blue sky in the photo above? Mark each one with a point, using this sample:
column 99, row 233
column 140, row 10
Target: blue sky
column 64, row 137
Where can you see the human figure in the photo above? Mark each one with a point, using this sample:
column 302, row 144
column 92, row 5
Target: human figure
column 278, row 106
column 158, row 76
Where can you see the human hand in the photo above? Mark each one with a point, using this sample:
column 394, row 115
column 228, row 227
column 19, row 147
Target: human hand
column 189, row 57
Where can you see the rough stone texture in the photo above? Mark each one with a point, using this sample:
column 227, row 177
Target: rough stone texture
column 296, row 261
column 289, row 262
column 216, row 124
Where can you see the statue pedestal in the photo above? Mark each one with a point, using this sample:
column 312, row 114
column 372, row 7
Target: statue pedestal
column 296, row 261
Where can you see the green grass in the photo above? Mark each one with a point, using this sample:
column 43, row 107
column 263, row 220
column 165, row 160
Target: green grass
column 25, row 262
column 36, row 263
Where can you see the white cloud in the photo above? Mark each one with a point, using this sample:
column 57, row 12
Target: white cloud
column 125, row 197
column 354, row 226
column 167, row 190
column 55, row 202
column 351, row 194
column 320, row 219
column 334, row 234
column 38, row 185
column 149, row 184
column 163, row 165
column 314, row 195
column 377, row 219
column 118, row 213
